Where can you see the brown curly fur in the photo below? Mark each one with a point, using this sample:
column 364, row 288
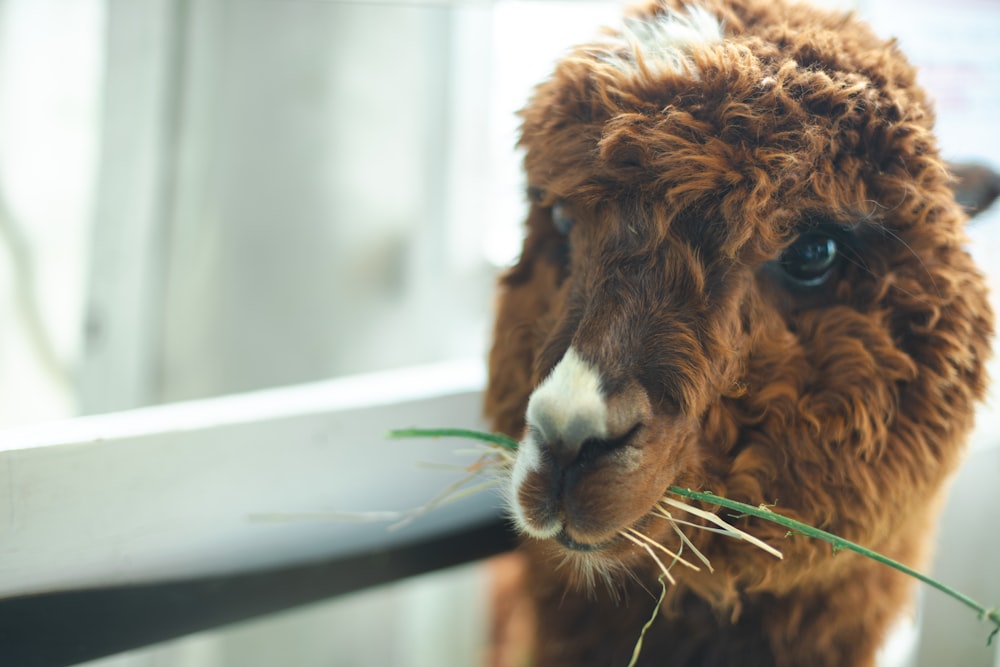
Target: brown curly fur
column 846, row 404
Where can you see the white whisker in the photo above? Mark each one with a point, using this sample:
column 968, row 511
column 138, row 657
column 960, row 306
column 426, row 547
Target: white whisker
column 662, row 513
column 717, row 520
column 649, row 550
column 688, row 542
column 649, row 540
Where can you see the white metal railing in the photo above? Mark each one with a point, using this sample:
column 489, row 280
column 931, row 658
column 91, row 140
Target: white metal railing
column 177, row 491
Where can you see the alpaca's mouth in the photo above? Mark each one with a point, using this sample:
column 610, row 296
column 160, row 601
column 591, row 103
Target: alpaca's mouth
column 567, row 541
column 622, row 534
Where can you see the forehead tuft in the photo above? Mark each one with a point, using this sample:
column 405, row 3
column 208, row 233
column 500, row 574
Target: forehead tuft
column 663, row 42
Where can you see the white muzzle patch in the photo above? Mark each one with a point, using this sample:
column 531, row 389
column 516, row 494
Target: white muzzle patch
column 567, row 406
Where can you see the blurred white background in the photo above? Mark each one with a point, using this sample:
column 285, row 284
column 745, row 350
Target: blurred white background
column 201, row 197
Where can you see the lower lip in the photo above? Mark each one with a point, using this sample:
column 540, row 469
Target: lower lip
column 564, row 539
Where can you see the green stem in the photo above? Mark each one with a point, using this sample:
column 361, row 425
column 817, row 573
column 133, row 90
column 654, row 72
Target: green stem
column 839, row 543
column 469, row 434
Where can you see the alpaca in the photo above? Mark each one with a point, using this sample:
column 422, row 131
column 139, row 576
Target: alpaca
column 743, row 272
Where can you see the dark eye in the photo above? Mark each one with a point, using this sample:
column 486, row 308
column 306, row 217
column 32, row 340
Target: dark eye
column 561, row 218
column 810, row 260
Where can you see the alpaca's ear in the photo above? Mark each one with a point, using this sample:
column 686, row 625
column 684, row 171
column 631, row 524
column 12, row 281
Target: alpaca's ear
column 976, row 186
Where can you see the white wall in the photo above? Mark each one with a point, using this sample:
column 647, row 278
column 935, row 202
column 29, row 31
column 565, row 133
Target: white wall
column 50, row 94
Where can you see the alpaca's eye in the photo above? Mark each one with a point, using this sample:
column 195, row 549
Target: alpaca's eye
column 810, row 260
column 561, row 218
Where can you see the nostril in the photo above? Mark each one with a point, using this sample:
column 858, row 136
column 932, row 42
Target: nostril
column 594, row 448
column 567, row 452
column 563, row 453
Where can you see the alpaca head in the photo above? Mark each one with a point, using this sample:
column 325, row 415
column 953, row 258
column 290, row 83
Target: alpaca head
column 743, row 272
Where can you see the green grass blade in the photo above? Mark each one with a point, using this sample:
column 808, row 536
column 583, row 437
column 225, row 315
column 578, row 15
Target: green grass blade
column 492, row 438
column 839, row 543
column 642, row 633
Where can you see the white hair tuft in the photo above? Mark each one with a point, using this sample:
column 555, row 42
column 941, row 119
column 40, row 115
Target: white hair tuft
column 664, row 42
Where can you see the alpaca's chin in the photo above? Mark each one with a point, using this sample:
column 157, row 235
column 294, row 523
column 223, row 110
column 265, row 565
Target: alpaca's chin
column 596, row 566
